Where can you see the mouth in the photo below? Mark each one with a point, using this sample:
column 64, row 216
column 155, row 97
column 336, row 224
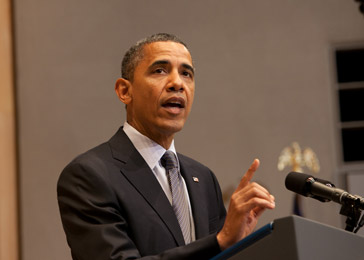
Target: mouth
column 174, row 105
column 174, row 102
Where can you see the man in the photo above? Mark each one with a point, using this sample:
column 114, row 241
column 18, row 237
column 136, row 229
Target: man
column 121, row 200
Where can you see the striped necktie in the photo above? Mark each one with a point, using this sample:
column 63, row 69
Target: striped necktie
column 179, row 201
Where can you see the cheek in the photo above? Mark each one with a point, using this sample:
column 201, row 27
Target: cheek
column 191, row 95
column 147, row 97
column 153, row 91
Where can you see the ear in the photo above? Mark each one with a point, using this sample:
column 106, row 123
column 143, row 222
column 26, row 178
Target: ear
column 123, row 90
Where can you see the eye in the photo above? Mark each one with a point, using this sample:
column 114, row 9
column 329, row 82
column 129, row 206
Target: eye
column 187, row 73
column 159, row 70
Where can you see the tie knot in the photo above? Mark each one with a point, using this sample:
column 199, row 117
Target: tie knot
column 169, row 160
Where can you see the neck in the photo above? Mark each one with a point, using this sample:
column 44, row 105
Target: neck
column 163, row 139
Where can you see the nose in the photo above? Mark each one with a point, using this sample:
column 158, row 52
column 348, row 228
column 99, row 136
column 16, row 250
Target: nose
column 175, row 82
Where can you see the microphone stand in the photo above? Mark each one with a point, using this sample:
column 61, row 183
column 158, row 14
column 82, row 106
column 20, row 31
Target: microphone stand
column 351, row 208
column 361, row 223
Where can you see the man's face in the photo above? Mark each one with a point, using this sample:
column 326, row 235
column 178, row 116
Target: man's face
column 162, row 90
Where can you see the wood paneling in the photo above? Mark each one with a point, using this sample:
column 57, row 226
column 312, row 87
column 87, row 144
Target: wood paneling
column 8, row 183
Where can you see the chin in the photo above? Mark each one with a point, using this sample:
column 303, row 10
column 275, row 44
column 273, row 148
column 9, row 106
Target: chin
column 173, row 127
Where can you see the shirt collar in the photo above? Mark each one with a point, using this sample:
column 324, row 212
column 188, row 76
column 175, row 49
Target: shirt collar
column 149, row 150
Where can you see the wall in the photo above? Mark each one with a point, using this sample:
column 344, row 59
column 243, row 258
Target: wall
column 264, row 79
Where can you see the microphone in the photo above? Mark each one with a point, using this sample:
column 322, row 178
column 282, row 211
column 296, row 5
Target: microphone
column 319, row 189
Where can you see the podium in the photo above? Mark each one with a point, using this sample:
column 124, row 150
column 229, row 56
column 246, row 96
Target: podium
column 297, row 238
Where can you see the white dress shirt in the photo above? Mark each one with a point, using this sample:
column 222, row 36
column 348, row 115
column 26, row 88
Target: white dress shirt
column 152, row 154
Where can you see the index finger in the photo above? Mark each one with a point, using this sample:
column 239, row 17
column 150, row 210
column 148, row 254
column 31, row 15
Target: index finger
column 249, row 174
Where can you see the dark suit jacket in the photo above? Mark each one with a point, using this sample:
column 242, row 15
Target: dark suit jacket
column 112, row 207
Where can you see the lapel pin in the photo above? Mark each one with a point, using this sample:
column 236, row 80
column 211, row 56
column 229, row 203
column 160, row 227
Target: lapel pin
column 195, row 179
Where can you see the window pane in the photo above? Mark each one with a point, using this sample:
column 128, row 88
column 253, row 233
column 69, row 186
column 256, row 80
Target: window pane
column 351, row 104
column 350, row 65
column 353, row 144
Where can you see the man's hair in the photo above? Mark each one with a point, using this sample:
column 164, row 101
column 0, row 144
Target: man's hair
column 135, row 54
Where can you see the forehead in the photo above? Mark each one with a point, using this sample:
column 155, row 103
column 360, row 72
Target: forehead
column 171, row 51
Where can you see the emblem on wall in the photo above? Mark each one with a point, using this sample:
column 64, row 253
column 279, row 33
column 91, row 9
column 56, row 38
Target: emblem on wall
column 295, row 158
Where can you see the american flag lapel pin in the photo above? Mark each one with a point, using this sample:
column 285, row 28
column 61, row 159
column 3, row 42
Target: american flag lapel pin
column 195, row 179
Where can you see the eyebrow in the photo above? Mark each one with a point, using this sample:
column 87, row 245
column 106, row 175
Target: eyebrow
column 166, row 62
column 189, row 67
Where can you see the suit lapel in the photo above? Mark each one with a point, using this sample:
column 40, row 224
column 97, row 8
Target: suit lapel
column 138, row 173
column 199, row 210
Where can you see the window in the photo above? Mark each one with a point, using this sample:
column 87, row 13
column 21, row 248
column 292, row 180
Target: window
column 350, row 79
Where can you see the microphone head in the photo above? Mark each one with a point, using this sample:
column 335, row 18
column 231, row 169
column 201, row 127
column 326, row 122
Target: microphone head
column 298, row 183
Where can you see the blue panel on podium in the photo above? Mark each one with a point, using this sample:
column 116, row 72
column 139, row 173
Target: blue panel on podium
column 244, row 243
column 297, row 238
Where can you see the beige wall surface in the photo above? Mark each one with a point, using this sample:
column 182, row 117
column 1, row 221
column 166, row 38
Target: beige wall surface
column 8, row 174
column 264, row 79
